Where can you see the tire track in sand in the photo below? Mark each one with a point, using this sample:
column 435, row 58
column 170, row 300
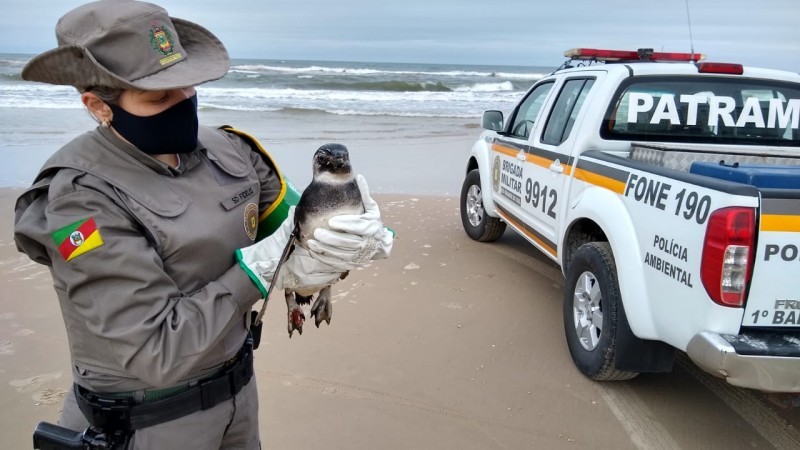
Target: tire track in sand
column 633, row 412
column 760, row 415
column 644, row 431
column 331, row 387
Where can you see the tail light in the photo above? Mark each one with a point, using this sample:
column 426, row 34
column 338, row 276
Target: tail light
column 728, row 254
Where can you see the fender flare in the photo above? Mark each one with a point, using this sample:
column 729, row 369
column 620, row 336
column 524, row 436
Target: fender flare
column 481, row 152
column 600, row 205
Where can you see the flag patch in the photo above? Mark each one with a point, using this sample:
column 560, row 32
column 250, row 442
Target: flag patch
column 77, row 238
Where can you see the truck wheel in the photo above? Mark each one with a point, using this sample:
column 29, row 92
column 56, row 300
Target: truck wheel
column 478, row 225
column 591, row 301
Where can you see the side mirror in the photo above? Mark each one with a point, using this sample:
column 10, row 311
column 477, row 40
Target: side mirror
column 492, row 120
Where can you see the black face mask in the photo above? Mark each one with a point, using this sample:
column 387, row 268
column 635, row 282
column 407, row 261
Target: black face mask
column 173, row 130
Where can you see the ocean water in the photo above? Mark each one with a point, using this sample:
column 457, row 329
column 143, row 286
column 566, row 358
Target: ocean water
column 345, row 88
column 293, row 106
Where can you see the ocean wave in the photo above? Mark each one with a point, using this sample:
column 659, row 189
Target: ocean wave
column 393, row 86
column 226, row 106
column 310, row 69
column 388, row 112
column 349, row 112
column 262, row 94
column 466, row 102
column 521, row 76
column 15, row 76
column 352, row 112
column 487, row 87
column 13, row 62
column 244, row 71
column 392, row 90
column 367, row 71
column 410, row 86
column 39, row 95
column 14, row 65
column 383, row 83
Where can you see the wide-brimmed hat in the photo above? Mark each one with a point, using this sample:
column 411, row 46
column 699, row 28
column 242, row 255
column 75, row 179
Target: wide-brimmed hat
column 129, row 44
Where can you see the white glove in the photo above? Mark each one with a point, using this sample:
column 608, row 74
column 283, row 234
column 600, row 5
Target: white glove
column 353, row 240
column 300, row 269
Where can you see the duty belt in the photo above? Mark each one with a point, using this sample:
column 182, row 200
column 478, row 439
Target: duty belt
column 110, row 412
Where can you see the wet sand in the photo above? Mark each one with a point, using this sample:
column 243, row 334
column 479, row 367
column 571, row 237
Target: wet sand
column 409, row 155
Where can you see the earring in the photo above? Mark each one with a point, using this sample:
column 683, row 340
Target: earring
column 105, row 123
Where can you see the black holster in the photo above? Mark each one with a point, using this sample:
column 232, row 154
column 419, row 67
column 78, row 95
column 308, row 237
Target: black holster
column 255, row 330
column 47, row 436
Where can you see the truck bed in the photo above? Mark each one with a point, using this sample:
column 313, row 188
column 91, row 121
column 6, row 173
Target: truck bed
column 681, row 156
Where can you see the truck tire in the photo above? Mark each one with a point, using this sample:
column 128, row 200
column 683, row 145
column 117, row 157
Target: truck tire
column 591, row 302
column 478, row 225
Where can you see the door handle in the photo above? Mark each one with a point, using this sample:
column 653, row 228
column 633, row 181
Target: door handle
column 521, row 156
column 557, row 167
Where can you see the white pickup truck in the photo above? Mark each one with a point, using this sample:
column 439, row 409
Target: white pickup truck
column 668, row 190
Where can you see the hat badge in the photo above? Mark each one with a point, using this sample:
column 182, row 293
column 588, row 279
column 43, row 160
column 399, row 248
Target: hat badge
column 161, row 39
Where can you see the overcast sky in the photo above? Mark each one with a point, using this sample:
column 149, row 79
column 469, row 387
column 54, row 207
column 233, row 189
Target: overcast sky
column 514, row 32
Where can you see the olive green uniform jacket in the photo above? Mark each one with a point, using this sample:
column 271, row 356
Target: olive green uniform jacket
column 142, row 255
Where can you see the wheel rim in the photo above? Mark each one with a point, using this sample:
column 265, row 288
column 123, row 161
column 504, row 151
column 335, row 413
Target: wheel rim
column 474, row 205
column 587, row 311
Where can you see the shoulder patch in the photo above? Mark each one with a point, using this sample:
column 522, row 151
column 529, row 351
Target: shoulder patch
column 251, row 220
column 77, row 238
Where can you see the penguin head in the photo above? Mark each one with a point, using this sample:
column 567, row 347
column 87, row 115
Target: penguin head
column 332, row 159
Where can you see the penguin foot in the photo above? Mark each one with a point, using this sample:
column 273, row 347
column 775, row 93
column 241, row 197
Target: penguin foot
column 296, row 319
column 322, row 308
column 295, row 315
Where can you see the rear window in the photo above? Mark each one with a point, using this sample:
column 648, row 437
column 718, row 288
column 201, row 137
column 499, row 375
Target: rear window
column 707, row 110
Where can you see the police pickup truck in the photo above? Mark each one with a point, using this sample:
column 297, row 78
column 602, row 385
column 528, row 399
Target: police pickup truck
column 668, row 191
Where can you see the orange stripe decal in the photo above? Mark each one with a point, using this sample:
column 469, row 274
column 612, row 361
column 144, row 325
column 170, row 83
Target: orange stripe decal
column 599, row 180
column 533, row 159
column 505, row 150
column 780, row 222
column 527, row 233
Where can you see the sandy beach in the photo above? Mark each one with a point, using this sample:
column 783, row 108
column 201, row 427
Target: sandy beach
column 433, row 348
column 448, row 344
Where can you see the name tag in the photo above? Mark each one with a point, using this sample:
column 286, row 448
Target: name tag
column 239, row 198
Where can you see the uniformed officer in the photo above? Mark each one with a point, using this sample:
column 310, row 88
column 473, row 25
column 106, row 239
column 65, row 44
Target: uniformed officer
column 139, row 221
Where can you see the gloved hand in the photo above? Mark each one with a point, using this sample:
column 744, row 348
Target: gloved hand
column 353, row 240
column 300, row 269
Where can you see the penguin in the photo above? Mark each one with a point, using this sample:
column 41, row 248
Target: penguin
column 333, row 191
